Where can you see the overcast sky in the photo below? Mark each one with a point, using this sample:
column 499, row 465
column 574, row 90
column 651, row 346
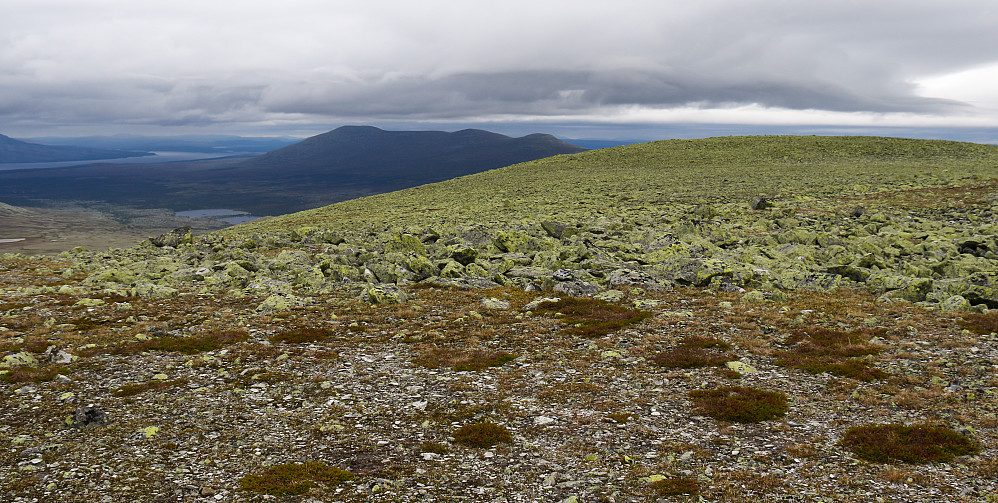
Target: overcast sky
column 79, row 67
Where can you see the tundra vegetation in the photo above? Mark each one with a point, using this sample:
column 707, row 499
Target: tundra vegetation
column 561, row 330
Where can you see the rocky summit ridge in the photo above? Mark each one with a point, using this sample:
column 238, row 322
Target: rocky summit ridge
column 736, row 319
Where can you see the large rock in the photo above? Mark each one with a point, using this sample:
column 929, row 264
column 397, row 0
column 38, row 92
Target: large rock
column 85, row 417
column 174, row 238
column 22, row 359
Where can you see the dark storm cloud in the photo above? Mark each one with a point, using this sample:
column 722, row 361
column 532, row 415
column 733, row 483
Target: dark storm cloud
column 82, row 62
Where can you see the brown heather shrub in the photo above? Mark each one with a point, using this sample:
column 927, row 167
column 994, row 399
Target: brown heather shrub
column 981, row 323
column 293, row 478
column 482, row 435
column 688, row 358
column 695, row 351
column 821, row 350
column 676, row 486
column 28, row 374
column 588, row 317
column 461, row 360
column 739, row 404
column 302, row 335
column 190, row 345
column 137, row 388
column 918, row 443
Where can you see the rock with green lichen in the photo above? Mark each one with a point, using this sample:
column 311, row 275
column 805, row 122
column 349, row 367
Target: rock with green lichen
column 383, row 294
column 17, row 360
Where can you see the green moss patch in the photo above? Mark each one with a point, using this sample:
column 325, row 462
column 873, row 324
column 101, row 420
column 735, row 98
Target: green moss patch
column 916, row 444
column 739, row 404
column 294, row 478
column 593, row 317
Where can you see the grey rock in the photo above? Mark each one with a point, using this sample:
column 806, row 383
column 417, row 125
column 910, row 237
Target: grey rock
column 85, row 417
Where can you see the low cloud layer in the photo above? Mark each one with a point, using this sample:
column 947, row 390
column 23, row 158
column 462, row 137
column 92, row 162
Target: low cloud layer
column 226, row 65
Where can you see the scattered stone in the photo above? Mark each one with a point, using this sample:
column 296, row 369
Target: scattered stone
column 610, row 296
column 57, row 356
column 543, row 420
column 741, row 367
column 494, row 303
column 537, row 302
column 86, row 417
column 760, row 203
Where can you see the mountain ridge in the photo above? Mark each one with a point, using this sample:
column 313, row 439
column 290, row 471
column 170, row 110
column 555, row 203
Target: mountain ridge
column 17, row 151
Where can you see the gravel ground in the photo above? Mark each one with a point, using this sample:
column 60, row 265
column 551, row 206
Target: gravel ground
column 591, row 418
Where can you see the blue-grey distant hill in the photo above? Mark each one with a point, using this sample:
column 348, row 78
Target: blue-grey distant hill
column 209, row 144
column 345, row 163
column 17, row 151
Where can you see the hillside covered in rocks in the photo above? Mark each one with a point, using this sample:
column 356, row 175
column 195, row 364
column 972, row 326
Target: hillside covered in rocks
column 590, row 314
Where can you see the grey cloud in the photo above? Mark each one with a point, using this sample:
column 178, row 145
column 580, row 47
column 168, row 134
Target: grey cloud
column 566, row 92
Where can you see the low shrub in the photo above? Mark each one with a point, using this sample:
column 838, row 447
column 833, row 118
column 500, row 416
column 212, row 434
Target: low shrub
column 694, row 352
column 676, row 486
column 739, row 404
column 293, row 478
column 688, row 358
column 981, row 324
column 821, row 350
column 482, row 435
column 461, row 360
column 137, row 388
column 28, row 374
column 588, row 317
column 190, row 345
column 302, row 335
column 433, row 447
column 916, row 444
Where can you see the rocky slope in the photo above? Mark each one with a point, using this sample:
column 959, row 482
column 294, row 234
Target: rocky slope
column 584, row 304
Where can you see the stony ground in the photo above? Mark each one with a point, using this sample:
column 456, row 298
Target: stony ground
column 591, row 417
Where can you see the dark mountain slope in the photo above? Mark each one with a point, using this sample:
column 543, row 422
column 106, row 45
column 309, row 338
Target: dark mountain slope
column 336, row 166
column 17, row 151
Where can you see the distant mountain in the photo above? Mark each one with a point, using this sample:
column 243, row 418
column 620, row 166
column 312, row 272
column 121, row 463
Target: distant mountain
column 400, row 157
column 220, row 144
column 17, row 151
column 345, row 163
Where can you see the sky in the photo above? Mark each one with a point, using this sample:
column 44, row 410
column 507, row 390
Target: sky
column 579, row 69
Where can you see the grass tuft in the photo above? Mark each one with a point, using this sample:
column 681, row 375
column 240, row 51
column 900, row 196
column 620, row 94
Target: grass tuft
column 482, row 435
column 695, row 351
column 915, row 444
column 739, row 404
column 293, row 478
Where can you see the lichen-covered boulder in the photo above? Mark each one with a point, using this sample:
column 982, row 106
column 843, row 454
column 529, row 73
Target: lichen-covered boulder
column 280, row 303
column 21, row 359
column 954, row 303
column 174, row 238
column 405, row 243
column 978, row 288
column 383, row 294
